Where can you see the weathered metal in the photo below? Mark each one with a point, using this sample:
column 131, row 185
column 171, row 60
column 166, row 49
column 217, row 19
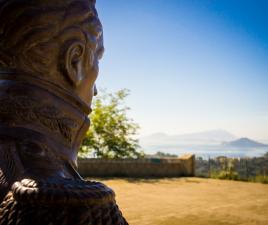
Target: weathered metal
column 49, row 52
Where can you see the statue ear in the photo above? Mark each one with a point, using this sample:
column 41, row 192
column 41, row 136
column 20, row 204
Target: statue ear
column 73, row 62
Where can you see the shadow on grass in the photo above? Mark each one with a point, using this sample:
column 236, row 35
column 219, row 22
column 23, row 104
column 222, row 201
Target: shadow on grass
column 130, row 180
column 150, row 180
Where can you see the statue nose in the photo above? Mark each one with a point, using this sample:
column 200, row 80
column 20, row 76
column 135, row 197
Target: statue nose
column 95, row 91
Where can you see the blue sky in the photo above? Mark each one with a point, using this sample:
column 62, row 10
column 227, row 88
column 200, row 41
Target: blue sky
column 190, row 65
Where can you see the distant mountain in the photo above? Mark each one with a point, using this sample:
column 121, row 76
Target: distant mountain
column 244, row 143
column 213, row 137
column 205, row 144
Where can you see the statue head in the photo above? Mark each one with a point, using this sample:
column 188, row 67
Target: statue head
column 58, row 41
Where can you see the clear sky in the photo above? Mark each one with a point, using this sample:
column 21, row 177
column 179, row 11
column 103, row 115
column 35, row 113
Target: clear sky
column 191, row 65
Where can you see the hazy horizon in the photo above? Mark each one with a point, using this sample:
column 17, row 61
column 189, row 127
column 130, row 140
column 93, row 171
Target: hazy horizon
column 191, row 66
column 197, row 132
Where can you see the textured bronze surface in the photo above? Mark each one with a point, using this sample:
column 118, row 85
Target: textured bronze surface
column 49, row 53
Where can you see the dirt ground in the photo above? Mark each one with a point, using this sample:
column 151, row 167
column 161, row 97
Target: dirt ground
column 191, row 201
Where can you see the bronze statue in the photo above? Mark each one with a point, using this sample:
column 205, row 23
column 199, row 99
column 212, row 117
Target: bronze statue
column 49, row 52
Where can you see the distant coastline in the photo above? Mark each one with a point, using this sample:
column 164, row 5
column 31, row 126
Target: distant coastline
column 205, row 144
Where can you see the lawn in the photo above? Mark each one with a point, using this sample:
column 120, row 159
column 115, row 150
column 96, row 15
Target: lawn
column 191, row 201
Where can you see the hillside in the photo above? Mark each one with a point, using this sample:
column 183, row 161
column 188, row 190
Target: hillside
column 203, row 138
column 244, row 143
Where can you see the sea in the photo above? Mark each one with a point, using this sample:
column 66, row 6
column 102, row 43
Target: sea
column 208, row 151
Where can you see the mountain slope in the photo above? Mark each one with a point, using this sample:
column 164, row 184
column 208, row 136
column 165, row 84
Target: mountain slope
column 207, row 137
column 244, row 143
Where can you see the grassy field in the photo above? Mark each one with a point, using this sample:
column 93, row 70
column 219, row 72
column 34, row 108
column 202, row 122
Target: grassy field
column 191, row 201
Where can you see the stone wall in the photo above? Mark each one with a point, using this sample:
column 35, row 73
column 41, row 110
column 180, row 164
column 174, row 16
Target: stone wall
column 152, row 167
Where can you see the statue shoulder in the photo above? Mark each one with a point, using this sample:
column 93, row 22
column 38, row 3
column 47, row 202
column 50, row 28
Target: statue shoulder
column 65, row 202
column 62, row 192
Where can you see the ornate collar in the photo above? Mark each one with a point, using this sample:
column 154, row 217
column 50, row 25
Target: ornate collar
column 30, row 104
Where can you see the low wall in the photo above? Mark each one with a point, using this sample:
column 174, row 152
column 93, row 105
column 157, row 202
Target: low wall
column 153, row 167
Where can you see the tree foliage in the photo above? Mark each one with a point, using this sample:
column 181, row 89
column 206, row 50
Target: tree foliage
column 111, row 132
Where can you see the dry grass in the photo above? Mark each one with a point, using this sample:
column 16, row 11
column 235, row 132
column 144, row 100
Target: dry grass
column 191, row 201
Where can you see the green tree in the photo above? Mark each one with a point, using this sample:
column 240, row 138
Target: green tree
column 111, row 134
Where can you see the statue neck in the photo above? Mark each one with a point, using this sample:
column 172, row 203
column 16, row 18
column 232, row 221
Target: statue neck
column 40, row 112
